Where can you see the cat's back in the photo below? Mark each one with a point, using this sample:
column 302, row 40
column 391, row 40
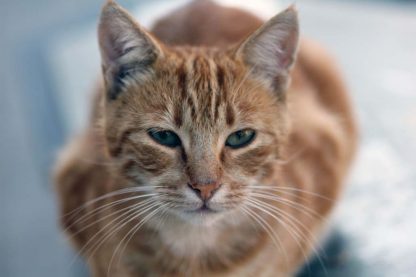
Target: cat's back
column 205, row 23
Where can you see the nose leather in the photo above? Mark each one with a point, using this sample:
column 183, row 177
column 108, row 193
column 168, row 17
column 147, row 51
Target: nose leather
column 205, row 191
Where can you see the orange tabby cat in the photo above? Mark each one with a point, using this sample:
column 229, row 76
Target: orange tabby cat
column 202, row 159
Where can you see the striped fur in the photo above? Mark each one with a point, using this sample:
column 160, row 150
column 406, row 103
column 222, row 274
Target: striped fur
column 202, row 86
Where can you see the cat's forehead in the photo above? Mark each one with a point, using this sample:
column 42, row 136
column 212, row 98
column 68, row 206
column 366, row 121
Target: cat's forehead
column 202, row 86
column 200, row 89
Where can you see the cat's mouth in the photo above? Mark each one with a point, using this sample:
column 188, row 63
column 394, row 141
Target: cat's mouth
column 204, row 209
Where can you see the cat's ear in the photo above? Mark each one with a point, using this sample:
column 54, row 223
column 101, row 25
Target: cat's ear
column 271, row 50
column 127, row 50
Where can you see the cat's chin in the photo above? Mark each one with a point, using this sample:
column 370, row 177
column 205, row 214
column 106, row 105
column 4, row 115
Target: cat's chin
column 200, row 218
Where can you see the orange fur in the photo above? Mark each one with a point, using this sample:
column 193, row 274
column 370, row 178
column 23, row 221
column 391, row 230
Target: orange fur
column 204, row 89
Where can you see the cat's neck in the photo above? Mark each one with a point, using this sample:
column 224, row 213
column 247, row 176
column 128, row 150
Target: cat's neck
column 217, row 246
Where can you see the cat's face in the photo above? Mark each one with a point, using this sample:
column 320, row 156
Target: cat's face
column 198, row 128
column 199, row 131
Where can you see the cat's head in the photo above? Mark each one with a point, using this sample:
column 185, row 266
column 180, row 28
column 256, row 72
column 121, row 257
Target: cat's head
column 197, row 128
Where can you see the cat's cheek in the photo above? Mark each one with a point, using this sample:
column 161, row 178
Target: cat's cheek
column 267, row 172
column 148, row 160
column 252, row 162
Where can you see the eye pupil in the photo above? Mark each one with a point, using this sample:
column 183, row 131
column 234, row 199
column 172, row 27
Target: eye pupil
column 240, row 138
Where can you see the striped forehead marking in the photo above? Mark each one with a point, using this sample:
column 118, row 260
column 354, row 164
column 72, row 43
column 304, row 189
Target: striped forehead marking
column 202, row 86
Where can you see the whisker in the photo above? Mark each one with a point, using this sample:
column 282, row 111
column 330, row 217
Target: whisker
column 113, row 231
column 287, row 215
column 107, row 206
column 108, row 195
column 283, row 189
column 131, row 233
column 125, row 216
column 137, row 205
column 302, row 208
column 269, row 230
column 292, row 233
column 290, row 218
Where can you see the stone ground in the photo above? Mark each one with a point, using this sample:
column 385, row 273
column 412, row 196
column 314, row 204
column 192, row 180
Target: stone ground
column 43, row 42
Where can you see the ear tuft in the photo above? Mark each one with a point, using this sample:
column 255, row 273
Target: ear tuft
column 271, row 50
column 126, row 48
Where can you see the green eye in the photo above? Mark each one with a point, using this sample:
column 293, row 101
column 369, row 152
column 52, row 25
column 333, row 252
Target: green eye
column 166, row 138
column 240, row 138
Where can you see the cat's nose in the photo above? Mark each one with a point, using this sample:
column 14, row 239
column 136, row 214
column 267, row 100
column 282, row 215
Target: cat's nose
column 205, row 191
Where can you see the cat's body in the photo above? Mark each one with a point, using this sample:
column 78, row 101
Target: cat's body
column 308, row 142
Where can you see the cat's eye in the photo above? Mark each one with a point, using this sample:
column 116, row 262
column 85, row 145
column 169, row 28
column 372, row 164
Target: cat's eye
column 164, row 137
column 240, row 138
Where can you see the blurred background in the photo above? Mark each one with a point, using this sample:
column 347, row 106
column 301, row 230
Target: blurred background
column 49, row 61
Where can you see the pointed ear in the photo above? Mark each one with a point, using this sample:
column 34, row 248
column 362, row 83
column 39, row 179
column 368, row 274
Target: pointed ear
column 127, row 50
column 270, row 51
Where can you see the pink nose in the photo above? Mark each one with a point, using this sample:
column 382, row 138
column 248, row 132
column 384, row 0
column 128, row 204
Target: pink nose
column 205, row 191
